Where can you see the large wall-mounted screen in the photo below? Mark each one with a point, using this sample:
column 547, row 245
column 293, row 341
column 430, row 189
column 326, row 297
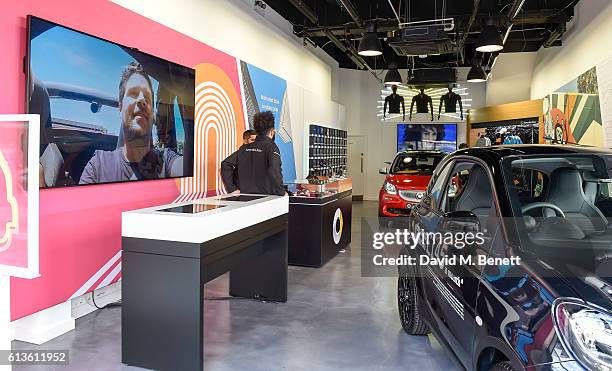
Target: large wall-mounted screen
column 109, row 113
column 441, row 137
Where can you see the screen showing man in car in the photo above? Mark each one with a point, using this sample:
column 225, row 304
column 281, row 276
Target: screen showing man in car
column 109, row 113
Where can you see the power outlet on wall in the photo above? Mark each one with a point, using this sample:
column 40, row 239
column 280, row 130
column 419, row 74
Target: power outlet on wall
column 84, row 305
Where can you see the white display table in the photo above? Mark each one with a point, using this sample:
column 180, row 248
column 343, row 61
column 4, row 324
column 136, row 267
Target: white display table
column 171, row 251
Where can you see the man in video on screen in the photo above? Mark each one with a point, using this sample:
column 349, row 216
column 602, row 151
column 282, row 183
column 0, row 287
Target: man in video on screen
column 135, row 157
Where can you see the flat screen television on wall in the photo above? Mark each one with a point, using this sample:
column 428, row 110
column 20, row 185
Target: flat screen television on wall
column 441, row 137
column 109, row 113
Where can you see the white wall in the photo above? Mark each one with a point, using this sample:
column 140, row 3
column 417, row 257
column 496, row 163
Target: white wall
column 586, row 43
column 233, row 27
column 510, row 79
column 307, row 108
column 360, row 92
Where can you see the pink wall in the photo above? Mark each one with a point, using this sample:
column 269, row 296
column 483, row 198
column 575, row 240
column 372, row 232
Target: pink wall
column 80, row 227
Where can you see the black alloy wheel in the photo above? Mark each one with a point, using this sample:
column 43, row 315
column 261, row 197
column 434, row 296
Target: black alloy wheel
column 407, row 303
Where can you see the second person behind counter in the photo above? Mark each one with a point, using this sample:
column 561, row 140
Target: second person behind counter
column 259, row 163
column 229, row 173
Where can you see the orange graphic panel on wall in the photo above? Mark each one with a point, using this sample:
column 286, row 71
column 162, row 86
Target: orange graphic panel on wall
column 219, row 123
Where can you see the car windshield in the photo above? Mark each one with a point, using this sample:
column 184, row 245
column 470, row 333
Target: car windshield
column 562, row 200
column 415, row 164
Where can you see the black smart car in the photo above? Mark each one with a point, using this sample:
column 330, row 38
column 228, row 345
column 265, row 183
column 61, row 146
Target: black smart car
column 535, row 291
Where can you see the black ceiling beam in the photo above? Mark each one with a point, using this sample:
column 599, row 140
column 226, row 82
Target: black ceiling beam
column 555, row 36
column 534, row 17
column 470, row 23
column 349, row 51
column 516, row 7
column 386, row 25
column 350, row 8
column 305, row 10
column 345, row 50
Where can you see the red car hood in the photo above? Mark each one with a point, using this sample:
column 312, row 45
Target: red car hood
column 404, row 181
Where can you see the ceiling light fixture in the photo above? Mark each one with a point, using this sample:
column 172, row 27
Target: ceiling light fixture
column 490, row 40
column 370, row 45
column 393, row 76
column 476, row 74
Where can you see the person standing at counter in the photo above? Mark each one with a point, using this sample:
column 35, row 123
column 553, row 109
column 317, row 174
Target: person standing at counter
column 259, row 163
column 228, row 166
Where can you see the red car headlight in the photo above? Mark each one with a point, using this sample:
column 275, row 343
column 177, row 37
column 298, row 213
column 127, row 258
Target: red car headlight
column 390, row 188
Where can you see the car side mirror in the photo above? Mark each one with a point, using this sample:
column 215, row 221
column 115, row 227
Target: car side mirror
column 460, row 222
column 383, row 170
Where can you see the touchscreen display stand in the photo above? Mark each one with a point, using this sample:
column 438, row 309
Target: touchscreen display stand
column 242, row 198
column 191, row 208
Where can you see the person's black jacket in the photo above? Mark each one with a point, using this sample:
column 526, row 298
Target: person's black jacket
column 229, row 171
column 259, row 167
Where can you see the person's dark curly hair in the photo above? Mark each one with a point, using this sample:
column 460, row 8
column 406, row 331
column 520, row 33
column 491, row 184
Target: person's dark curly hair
column 263, row 122
column 132, row 69
column 248, row 133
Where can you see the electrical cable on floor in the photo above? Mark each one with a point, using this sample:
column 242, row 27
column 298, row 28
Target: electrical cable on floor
column 109, row 305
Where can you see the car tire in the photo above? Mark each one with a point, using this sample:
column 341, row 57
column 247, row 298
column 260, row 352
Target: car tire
column 408, row 303
column 502, row 366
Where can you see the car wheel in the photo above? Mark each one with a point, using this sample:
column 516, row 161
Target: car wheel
column 502, row 366
column 407, row 303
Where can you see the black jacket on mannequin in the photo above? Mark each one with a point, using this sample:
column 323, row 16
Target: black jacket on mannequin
column 450, row 100
column 393, row 101
column 423, row 103
column 259, row 168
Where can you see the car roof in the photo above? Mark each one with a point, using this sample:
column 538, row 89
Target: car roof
column 420, row 152
column 531, row 149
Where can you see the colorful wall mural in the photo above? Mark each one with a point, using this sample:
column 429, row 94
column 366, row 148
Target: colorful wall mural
column 572, row 114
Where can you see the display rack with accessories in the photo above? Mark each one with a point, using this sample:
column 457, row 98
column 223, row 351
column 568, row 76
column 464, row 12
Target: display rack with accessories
column 307, row 188
column 327, row 152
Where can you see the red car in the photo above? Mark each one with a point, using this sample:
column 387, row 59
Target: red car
column 405, row 181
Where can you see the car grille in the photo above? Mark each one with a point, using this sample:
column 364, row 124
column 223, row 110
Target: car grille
column 405, row 212
column 411, row 195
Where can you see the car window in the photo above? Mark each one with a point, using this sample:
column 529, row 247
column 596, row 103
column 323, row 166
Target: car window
column 468, row 189
column 605, row 190
column 416, row 164
column 436, row 187
column 530, row 185
column 561, row 200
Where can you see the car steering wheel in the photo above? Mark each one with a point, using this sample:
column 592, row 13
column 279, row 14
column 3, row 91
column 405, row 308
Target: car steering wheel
column 543, row 205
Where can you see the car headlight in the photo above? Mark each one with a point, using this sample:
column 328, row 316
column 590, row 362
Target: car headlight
column 586, row 332
column 390, row 188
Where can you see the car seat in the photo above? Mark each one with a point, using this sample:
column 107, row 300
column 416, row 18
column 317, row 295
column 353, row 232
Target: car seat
column 567, row 193
column 477, row 195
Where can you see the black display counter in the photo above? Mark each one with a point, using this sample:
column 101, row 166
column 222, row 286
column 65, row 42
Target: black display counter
column 319, row 228
column 163, row 273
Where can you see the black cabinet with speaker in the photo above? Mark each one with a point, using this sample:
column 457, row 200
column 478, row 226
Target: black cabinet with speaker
column 319, row 221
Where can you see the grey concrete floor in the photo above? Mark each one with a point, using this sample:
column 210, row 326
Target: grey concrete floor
column 334, row 320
